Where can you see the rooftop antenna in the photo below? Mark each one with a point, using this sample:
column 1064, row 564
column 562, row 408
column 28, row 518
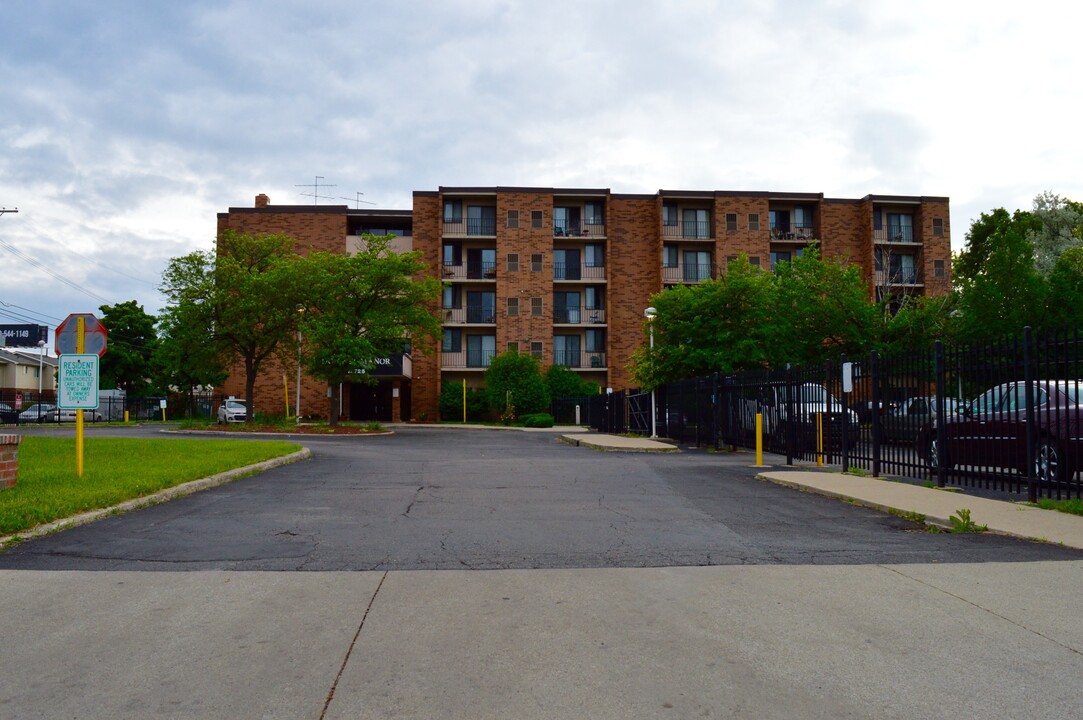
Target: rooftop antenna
column 357, row 200
column 315, row 194
column 7, row 210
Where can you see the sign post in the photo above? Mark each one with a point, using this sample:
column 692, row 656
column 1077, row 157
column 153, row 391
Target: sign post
column 80, row 343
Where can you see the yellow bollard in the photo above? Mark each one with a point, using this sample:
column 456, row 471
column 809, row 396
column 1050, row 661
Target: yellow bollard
column 819, row 439
column 125, row 416
column 759, row 438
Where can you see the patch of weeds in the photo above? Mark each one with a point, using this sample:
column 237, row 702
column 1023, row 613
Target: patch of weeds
column 374, row 426
column 1073, row 506
column 929, row 484
column 914, row 517
column 961, row 522
column 854, row 470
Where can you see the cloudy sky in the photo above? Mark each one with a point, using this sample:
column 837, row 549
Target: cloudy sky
column 126, row 126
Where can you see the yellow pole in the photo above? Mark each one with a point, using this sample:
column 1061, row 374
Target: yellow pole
column 163, row 414
column 80, row 347
column 286, row 391
column 819, row 439
column 759, row 438
column 125, row 416
column 464, row 399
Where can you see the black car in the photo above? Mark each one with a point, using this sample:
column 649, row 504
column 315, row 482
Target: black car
column 8, row 415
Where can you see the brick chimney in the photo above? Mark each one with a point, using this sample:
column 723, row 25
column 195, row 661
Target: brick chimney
column 262, row 201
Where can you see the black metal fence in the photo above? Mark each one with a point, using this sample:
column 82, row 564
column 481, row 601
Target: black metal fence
column 1003, row 415
column 22, row 407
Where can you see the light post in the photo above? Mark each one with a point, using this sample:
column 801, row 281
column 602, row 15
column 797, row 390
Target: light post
column 650, row 313
column 297, row 404
column 41, row 365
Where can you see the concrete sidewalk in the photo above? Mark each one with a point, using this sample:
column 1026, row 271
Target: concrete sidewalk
column 937, row 506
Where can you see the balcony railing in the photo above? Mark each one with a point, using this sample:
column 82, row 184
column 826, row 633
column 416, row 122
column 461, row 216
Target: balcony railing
column 471, row 314
column 684, row 273
column 898, row 277
column 578, row 271
column 471, row 271
column 692, row 230
column 894, row 233
column 470, row 226
column 577, row 315
column 798, row 232
column 592, row 360
column 467, row 359
column 567, row 228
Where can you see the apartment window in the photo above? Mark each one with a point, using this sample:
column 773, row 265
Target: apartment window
column 669, row 214
column 453, row 211
column 480, row 350
column 938, row 226
column 513, row 307
column 567, row 222
column 754, row 261
column 595, row 255
column 481, row 306
column 697, row 223
column 536, row 263
column 566, row 308
column 453, row 297
column 697, row 265
column 730, row 259
column 453, row 254
column 513, row 347
column 453, row 340
column 536, row 218
column 513, row 262
column 513, row 218
column 595, row 341
column 939, row 268
column 731, row 222
column 779, row 256
column 900, row 228
column 480, row 220
column 595, row 213
column 753, row 221
column 670, row 254
column 802, row 218
column 536, row 349
column 566, row 350
column 536, row 306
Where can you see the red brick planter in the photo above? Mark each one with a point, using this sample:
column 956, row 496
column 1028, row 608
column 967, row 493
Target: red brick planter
column 9, row 459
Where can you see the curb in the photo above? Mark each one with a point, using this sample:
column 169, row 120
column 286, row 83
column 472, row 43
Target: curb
column 606, row 447
column 161, row 496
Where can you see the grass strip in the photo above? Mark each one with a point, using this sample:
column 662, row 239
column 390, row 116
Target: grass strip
column 114, row 470
column 1073, row 506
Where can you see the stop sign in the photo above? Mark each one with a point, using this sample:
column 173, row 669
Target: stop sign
column 94, row 335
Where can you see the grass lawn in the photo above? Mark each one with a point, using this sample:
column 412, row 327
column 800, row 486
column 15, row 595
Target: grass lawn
column 114, row 470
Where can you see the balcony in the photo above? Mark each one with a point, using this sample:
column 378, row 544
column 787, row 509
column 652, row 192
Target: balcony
column 690, row 230
column 469, row 227
column 469, row 315
column 579, row 316
column 580, row 360
column 470, row 271
column 577, row 271
column 572, row 229
column 683, row 273
column 467, row 360
column 894, row 234
column 797, row 233
column 898, row 277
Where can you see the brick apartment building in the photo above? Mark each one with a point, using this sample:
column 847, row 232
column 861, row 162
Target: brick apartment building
column 565, row 274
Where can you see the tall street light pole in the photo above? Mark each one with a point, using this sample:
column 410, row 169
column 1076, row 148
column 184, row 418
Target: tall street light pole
column 650, row 313
column 41, row 365
column 297, row 405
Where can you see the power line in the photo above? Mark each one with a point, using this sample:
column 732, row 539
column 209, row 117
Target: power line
column 48, row 271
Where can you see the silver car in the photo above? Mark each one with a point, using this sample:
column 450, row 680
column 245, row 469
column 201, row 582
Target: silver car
column 232, row 411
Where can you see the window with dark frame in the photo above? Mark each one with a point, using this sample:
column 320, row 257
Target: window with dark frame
column 513, row 218
column 939, row 268
column 536, row 263
column 938, row 227
column 513, row 347
column 453, row 340
column 513, row 262
column 513, row 307
column 731, row 222
column 536, row 306
column 536, row 349
column 537, row 218
column 753, row 221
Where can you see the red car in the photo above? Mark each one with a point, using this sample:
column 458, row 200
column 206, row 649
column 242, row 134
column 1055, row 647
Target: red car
column 991, row 433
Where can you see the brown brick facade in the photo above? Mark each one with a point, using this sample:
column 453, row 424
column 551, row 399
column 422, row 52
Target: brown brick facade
column 634, row 241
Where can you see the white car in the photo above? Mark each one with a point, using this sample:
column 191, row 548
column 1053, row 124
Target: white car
column 232, row 411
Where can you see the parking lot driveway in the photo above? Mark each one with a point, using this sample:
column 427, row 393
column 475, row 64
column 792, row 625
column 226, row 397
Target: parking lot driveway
column 435, row 498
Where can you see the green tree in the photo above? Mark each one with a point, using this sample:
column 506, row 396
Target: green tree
column 184, row 361
column 132, row 340
column 562, row 382
column 248, row 292
column 519, row 375
column 362, row 307
column 821, row 310
column 1065, row 305
column 1059, row 228
column 1000, row 290
column 719, row 325
column 451, row 402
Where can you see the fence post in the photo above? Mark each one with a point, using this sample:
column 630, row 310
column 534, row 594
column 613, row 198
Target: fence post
column 845, row 416
column 1028, row 381
column 874, row 371
column 716, row 414
column 941, row 431
column 791, row 408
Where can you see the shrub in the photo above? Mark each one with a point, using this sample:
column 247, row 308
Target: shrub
column 521, row 376
column 537, row 420
column 451, row 403
column 562, row 382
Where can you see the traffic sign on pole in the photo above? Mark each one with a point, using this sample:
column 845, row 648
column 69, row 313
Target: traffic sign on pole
column 77, row 382
column 94, row 335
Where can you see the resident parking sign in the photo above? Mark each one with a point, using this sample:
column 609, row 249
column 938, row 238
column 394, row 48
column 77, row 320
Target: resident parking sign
column 78, row 382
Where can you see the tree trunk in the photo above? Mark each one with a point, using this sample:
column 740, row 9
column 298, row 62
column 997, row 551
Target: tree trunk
column 333, row 409
column 249, row 389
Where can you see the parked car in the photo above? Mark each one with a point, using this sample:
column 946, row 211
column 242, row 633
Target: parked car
column 904, row 423
column 59, row 415
column 232, row 410
column 37, row 413
column 991, row 431
column 808, row 400
column 8, row 415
